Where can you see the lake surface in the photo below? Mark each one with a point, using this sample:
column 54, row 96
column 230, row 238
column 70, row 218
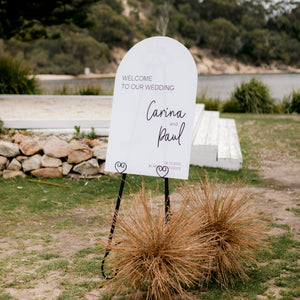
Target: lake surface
column 223, row 85
column 211, row 85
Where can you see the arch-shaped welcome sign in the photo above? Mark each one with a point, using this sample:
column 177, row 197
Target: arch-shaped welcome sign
column 153, row 110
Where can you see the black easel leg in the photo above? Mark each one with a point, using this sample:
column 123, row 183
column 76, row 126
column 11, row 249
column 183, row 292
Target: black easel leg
column 113, row 225
column 167, row 200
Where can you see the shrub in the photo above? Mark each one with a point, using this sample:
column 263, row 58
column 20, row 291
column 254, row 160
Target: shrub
column 251, row 97
column 90, row 90
column 210, row 103
column 291, row 103
column 64, row 90
column 15, row 77
column 295, row 107
column 286, row 105
column 231, row 106
column 295, row 102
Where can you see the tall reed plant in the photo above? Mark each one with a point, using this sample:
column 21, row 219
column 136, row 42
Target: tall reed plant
column 16, row 78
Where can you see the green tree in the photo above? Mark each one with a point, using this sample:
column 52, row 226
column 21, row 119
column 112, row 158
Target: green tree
column 111, row 27
column 18, row 17
column 222, row 35
column 227, row 9
column 254, row 15
column 288, row 22
column 190, row 11
column 256, row 45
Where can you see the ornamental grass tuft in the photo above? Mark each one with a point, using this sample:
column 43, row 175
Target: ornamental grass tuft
column 214, row 234
column 237, row 233
column 16, row 78
column 163, row 257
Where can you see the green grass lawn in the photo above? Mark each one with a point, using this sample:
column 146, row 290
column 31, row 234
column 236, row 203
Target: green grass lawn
column 35, row 218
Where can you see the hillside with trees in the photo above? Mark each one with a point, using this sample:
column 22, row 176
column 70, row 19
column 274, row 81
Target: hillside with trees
column 65, row 36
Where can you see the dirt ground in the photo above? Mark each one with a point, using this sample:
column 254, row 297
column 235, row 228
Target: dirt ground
column 282, row 195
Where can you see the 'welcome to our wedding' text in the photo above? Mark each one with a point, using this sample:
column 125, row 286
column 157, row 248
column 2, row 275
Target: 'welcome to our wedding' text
column 143, row 82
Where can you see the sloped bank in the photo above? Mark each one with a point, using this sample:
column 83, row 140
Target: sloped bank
column 51, row 157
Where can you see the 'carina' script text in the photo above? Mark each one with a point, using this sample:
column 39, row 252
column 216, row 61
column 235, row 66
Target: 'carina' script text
column 153, row 112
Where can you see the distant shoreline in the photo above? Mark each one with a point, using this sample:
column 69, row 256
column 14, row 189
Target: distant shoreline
column 206, row 63
column 70, row 77
column 113, row 75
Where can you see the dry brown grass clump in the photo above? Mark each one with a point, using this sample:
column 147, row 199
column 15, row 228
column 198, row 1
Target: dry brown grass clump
column 226, row 212
column 163, row 256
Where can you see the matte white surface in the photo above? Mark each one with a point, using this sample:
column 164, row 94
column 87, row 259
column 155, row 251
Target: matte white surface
column 153, row 110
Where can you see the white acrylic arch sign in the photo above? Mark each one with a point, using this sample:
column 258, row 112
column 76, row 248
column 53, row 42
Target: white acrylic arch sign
column 153, row 110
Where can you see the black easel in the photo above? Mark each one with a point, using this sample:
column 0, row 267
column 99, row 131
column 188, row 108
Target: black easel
column 114, row 221
column 167, row 200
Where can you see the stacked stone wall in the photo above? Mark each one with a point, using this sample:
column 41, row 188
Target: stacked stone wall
column 51, row 157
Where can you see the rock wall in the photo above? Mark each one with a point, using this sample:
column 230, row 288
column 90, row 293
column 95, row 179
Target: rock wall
column 51, row 157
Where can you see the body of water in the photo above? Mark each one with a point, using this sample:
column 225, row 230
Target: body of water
column 214, row 86
column 223, row 85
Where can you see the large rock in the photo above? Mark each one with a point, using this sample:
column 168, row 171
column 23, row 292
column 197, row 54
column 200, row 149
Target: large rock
column 79, row 153
column 21, row 158
column 55, row 147
column 90, row 167
column 9, row 149
column 100, row 152
column 11, row 174
column 47, row 172
column 91, row 143
column 66, row 168
column 3, row 162
column 102, row 168
column 50, row 162
column 14, row 165
column 32, row 163
column 30, row 147
column 18, row 138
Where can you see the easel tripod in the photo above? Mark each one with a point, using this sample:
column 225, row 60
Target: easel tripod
column 116, row 213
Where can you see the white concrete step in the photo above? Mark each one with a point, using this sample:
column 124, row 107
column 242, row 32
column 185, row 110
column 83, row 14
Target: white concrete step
column 215, row 141
column 229, row 151
column 55, row 124
column 205, row 142
column 101, row 127
column 102, row 132
column 199, row 110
